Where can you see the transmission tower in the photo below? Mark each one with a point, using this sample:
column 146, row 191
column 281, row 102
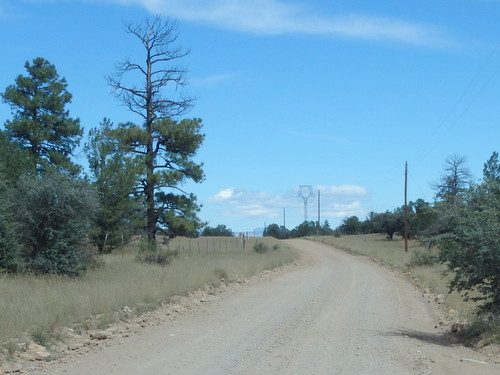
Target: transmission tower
column 306, row 193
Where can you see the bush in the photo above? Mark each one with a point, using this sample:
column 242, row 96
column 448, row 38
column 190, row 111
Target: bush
column 55, row 212
column 260, row 248
column 485, row 328
column 10, row 256
column 146, row 246
column 470, row 250
column 218, row 231
column 422, row 258
column 159, row 257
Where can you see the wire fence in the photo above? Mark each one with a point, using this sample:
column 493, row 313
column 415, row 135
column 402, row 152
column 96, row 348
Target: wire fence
column 211, row 244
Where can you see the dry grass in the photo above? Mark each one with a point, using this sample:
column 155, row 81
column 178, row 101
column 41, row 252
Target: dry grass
column 391, row 252
column 38, row 305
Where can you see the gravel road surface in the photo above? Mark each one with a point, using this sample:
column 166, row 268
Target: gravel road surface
column 332, row 314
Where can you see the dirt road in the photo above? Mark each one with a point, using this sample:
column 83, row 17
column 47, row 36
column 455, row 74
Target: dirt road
column 333, row 314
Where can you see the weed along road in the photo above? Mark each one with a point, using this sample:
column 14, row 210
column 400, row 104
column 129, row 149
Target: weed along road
column 333, row 313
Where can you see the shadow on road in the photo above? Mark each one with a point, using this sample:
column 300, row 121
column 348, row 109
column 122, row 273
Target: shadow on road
column 442, row 339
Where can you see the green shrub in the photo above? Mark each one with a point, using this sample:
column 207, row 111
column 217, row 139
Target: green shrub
column 260, row 248
column 10, row 251
column 422, row 258
column 485, row 328
column 159, row 257
column 146, row 246
column 55, row 212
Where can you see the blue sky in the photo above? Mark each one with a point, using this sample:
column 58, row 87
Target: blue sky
column 332, row 94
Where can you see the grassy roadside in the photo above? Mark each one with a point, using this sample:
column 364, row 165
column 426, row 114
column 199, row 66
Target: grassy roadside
column 39, row 305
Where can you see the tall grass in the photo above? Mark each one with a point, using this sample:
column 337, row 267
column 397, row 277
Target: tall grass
column 38, row 305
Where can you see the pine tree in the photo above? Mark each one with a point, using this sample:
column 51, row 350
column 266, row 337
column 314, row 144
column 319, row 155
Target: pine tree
column 471, row 249
column 163, row 146
column 113, row 174
column 41, row 124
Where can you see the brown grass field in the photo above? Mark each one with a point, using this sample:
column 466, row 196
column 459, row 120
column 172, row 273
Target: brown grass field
column 38, row 305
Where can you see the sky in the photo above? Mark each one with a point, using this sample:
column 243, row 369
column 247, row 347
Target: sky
column 335, row 95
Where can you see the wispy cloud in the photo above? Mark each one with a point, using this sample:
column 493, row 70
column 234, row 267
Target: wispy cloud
column 270, row 17
column 343, row 190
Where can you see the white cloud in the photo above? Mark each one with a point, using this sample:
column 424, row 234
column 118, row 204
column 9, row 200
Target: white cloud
column 340, row 211
column 343, row 190
column 270, row 17
column 223, row 195
column 240, row 202
column 337, row 202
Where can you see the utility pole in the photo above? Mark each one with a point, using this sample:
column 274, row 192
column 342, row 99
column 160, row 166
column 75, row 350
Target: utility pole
column 406, row 207
column 319, row 215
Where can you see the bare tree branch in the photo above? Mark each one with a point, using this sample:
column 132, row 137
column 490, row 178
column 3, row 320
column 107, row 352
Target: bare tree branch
column 160, row 96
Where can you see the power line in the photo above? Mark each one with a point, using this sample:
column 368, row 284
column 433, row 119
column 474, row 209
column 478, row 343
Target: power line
column 455, row 105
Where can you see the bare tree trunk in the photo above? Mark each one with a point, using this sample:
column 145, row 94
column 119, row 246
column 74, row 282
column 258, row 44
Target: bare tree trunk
column 150, row 155
column 147, row 100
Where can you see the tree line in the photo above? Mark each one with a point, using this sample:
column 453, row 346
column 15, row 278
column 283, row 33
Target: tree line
column 52, row 214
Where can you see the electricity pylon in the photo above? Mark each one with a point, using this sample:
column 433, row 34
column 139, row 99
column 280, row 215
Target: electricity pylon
column 306, row 193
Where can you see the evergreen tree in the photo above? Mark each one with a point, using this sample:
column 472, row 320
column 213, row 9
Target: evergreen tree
column 14, row 162
column 326, row 230
column 163, row 146
column 41, row 124
column 470, row 249
column 276, row 231
column 307, row 228
column 114, row 177
column 10, row 256
column 491, row 170
column 175, row 144
column 423, row 218
column 219, row 231
column 351, row 225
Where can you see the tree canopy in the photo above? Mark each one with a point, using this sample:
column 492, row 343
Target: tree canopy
column 470, row 248
column 220, row 230
column 41, row 124
column 113, row 174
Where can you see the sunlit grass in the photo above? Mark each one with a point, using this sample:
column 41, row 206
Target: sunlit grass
column 38, row 305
